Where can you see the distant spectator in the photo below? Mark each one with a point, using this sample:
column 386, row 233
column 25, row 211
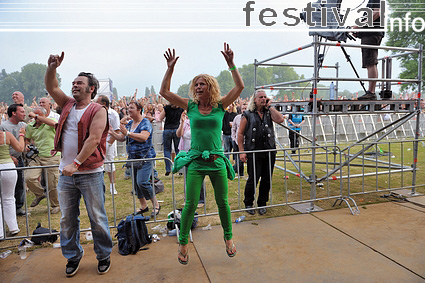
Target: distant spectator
column 41, row 133
column 16, row 113
column 8, row 181
column 171, row 114
column 138, row 136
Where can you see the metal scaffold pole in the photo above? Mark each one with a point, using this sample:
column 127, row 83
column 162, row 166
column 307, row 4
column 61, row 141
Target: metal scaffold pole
column 418, row 107
column 314, row 114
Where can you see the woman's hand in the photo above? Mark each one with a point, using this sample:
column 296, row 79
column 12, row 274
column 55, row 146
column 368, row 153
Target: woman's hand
column 123, row 129
column 228, row 55
column 183, row 117
column 171, row 58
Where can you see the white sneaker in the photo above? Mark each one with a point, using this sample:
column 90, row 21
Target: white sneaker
column 112, row 189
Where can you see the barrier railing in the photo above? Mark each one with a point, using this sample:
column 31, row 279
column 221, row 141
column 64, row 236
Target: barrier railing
column 381, row 167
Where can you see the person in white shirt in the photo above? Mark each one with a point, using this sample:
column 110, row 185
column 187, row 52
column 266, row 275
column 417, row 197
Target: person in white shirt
column 111, row 145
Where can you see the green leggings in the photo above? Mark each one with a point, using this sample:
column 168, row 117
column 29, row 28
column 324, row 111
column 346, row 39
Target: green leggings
column 194, row 179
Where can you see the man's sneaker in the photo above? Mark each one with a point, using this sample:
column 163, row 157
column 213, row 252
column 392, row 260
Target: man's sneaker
column 36, row 201
column 104, row 265
column 13, row 233
column 21, row 212
column 55, row 210
column 250, row 210
column 367, row 96
column 72, row 267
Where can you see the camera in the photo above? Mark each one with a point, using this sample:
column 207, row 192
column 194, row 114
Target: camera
column 329, row 29
column 32, row 152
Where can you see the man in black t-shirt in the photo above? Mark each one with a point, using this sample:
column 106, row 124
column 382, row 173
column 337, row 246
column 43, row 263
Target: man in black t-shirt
column 370, row 56
column 172, row 114
column 229, row 115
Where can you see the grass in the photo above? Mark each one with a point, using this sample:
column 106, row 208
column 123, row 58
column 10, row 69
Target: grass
column 367, row 189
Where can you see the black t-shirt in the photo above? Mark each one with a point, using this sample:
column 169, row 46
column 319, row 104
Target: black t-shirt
column 228, row 117
column 372, row 4
column 172, row 117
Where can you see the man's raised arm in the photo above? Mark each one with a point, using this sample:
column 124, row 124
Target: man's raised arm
column 51, row 82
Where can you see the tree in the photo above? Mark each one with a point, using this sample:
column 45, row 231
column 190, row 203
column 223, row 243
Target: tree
column 30, row 81
column 152, row 90
column 8, row 85
column 225, row 82
column 147, row 92
column 399, row 37
column 183, row 90
column 115, row 93
column 265, row 76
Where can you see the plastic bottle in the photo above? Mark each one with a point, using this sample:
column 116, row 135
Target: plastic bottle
column 208, row 227
column 172, row 232
column 332, row 91
column 89, row 236
column 240, row 219
column 5, row 254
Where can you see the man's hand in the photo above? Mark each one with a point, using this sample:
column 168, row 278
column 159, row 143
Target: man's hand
column 15, row 160
column 355, row 34
column 242, row 157
column 69, row 169
column 55, row 61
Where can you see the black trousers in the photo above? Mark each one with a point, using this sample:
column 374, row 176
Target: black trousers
column 20, row 188
column 294, row 139
column 238, row 161
column 264, row 165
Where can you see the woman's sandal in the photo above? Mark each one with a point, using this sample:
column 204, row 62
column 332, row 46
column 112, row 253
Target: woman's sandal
column 141, row 211
column 186, row 256
column 229, row 250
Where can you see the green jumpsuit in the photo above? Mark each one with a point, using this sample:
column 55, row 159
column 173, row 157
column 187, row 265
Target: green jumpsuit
column 206, row 139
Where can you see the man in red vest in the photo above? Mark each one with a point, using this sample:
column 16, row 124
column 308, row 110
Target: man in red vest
column 80, row 136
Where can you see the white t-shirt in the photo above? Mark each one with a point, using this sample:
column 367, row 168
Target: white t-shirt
column 70, row 140
column 114, row 121
column 54, row 116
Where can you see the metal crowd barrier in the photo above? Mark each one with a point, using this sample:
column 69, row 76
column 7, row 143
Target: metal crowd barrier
column 381, row 167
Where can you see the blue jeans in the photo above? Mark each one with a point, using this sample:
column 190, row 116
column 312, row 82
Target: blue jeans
column 227, row 144
column 143, row 180
column 168, row 136
column 70, row 190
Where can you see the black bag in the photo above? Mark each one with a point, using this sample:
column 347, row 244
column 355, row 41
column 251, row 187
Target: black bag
column 41, row 230
column 136, row 164
column 171, row 224
column 159, row 186
column 132, row 234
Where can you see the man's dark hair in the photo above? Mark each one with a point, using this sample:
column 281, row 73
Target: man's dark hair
column 12, row 108
column 92, row 82
column 105, row 100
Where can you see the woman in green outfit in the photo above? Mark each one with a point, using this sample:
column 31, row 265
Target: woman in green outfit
column 205, row 110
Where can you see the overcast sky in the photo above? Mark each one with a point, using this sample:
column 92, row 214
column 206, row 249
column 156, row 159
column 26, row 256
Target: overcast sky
column 125, row 40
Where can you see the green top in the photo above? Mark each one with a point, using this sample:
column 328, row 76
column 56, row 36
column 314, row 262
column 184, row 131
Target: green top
column 43, row 137
column 205, row 139
column 4, row 151
column 206, row 129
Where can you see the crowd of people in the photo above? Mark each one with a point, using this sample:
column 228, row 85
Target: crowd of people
column 80, row 132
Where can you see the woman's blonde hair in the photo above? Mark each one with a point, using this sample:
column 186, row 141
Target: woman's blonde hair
column 213, row 88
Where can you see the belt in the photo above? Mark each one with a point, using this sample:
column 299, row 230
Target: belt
column 212, row 158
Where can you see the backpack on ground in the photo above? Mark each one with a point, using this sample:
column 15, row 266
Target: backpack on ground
column 132, row 234
column 40, row 239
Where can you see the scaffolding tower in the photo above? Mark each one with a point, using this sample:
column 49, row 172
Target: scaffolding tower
column 315, row 108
